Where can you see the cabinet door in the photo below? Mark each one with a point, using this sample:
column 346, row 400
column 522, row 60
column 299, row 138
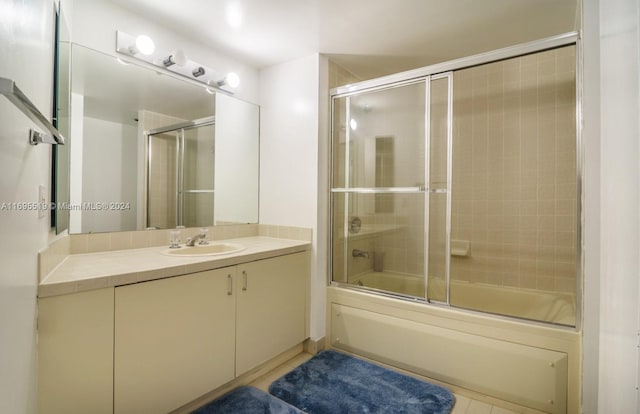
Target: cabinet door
column 75, row 353
column 271, row 308
column 174, row 340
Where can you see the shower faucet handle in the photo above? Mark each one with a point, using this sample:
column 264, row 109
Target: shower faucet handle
column 359, row 253
column 355, row 224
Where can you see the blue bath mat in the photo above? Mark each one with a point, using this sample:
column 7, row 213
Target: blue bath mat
column 335, row 383
column 247, row 400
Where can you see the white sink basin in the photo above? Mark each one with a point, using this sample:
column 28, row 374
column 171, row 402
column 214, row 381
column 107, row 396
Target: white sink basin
column 212, row 249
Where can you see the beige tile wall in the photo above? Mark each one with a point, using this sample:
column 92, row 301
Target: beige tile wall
column 402, row 248
column 91, row 243
column 53, row 255
column 514, row 172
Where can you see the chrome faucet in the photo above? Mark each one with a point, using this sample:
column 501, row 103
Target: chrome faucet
column 359, row 253
column 191, row 241
column 202, row 236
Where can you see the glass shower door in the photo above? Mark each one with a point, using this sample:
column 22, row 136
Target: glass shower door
column 378, row 197
column 391, row 193
column 197, row 174
column 439, row 188
column 162, row 180
column 463, row 188
column 515, row 215
column 180, row 176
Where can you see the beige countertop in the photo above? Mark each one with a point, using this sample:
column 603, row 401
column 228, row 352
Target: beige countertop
column 88, row 271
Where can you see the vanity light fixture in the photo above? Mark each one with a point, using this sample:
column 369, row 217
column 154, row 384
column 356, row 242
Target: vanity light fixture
column 232, row 80
column 177, row 57
column 142, row 48
column 144, row 44
column 199, row 71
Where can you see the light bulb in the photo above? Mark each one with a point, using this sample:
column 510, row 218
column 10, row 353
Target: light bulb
column 144, row 45
column 232, row 79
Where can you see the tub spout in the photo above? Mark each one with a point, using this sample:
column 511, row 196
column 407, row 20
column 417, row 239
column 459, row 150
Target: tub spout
column 359, row 253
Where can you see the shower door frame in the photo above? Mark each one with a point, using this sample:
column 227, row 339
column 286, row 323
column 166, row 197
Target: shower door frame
column 426, row 74
column 428, row 190
column 179, row 129
column 372, row 190
column 425, row 189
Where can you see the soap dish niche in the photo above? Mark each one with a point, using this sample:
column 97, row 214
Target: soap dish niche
column 460, row 247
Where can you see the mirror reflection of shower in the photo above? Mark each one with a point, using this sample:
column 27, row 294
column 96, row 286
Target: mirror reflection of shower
column 180, row 175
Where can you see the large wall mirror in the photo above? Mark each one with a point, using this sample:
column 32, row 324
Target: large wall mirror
column 149, row 150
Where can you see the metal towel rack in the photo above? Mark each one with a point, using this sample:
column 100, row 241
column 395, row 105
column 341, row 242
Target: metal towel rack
column 9, row 89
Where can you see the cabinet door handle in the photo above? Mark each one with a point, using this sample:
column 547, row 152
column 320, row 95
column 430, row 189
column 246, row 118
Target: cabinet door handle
column 229, row 285
column 244, row 280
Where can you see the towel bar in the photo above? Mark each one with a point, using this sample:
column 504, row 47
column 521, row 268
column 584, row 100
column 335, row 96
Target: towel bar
column 9, row 89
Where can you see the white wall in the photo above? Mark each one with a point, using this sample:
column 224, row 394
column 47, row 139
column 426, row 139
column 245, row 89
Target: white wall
column 620, row 206
column 289, row 151
column 612, row 205
column 26, row 55
column 76, row 165
column 321, row 263
column 288, row 142
column 95, row 23
column 237, row 156
column 591, row 204
column 109, row 174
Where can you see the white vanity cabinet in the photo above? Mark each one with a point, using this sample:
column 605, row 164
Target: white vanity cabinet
column 174, row 340
column 154, row 346
column 177, row 339
column 75, row 353
column 271, row 308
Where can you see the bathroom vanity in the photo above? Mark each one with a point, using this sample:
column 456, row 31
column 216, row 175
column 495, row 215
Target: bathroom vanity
column 167, row 330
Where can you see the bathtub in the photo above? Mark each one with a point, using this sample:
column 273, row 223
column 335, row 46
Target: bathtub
column 533, row 365
column 553, row 307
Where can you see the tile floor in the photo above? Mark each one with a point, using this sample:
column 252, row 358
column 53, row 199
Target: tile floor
column 464, row 405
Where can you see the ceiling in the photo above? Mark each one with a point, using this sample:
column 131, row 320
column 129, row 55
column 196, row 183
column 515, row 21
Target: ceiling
column 368, row 37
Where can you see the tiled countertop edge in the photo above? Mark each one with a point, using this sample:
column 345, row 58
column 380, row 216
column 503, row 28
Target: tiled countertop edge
column 57, row 251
